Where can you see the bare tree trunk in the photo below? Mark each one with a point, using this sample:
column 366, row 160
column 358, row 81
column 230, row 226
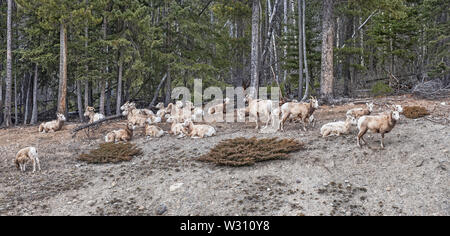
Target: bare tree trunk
column 305, row 58
column 108, row 98
column 86, row 93
column 7, row 118
column 119, row 86
column 300, row 51
column 79, row 101
column 103, row 82
column 254, row 84
column 62, row 70
column 327, row 79
column 27, row 100
column 16, row 111
column 34, row 115
column 168, row 88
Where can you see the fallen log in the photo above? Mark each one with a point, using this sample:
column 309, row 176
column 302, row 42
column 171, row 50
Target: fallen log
column 81, row 127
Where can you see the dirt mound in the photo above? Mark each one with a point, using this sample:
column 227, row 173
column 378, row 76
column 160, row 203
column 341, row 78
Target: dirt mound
column 414, row 112
column 111, row 153
column 245, row 152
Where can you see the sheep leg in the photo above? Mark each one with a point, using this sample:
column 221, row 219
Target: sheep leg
column 38, row 164
column 382, row 141
column 283, row 120
column 361, row 136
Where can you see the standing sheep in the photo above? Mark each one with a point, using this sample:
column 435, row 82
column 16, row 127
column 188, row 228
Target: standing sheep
column 25, row 155
column 93, row 117
column 382, row 124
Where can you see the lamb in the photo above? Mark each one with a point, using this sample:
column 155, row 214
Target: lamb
column 54, row 126
column 382, row 124
column 153, row 131
column 301, row 110
column 93, row 117
column 124, row 135
column 199, row 131
column 337, row 128
column 358, row 112
column 25, row 155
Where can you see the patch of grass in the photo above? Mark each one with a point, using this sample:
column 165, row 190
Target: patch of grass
column 414, row 112
column 111, row 153
column 245, row 152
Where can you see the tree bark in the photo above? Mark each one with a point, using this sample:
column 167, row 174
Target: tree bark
column 305, row 58
column 103, row 82
column 300, row 51
column 62, row 70
column 168, row 94
column 16, row 110
column 34, row 115
column 27, row 100
column 7, row 113
column 80, row 101
column 327, row 79
column 254, row 84
column 119, row 86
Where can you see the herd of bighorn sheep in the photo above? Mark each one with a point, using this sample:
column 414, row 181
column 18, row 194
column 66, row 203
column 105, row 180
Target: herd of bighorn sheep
column 182, row 116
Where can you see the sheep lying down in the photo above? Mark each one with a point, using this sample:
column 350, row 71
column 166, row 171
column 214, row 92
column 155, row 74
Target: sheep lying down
column 337, row 128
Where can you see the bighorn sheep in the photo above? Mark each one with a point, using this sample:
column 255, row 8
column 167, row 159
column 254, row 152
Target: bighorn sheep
column 358, row 112
column 219, row 109
column 177, row 128
column 337, row 128
column 139, row 118
column 153, row 131
column 93, row 117
column 382, row 124
column 54, row 126
column 259, row 108
column 301, row 110
column 25, row 155
column 198, row 131
column 131, row 106
column 124, row 135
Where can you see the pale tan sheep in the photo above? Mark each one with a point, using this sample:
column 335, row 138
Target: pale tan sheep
column 93, row 117
column 54, row 126
column 301, row 110
column 124, row 135
column 153, row 131
column 25, row 155
column 337, row 128
column 382, row 124
column 358, row 112
column 199, row 131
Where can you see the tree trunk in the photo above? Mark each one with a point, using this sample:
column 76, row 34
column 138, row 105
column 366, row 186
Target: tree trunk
column 108, row 98
column 300, row 51
column 327, row 79
column 34, row 116
column 27, row 100
column 7, row 118
column 307, row 91
column 62, row 70
column 285, row 31
column 254, row 84
column 119, row 86
column 1, row 95
column 16, row 110
column 103, row 82
column 346, row 67
column 168, row 88
column 80, row 101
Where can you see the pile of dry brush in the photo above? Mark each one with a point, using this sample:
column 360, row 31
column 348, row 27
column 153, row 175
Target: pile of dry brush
column 246, row 152
column 111, row 153
column 414, row 112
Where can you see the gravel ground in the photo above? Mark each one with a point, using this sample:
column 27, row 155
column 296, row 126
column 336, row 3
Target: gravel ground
column 330, row 177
